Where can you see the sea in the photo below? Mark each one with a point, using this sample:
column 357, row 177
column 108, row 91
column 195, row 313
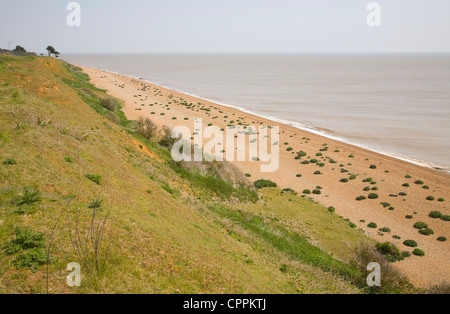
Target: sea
column 395, row 104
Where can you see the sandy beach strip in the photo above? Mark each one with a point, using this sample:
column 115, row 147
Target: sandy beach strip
column 397, row 182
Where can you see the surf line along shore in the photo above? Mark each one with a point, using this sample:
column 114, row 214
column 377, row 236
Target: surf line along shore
column 244, row 304
column 388, row 175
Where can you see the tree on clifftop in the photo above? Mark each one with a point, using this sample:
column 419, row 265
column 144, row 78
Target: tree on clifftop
column 51, row 51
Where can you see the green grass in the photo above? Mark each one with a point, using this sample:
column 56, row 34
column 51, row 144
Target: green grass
column 174, row 228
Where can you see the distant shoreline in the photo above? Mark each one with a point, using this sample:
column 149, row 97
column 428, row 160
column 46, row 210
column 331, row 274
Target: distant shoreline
column 300, row 126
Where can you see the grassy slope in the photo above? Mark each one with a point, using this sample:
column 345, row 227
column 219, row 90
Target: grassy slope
column 169, row 234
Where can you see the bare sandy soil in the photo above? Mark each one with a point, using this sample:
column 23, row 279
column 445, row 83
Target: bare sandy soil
column 148, row 100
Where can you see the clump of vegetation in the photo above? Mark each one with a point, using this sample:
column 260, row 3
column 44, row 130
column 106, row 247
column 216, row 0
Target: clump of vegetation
column 361, row 198
column 317, row 192
column 30, row 245
column 391, row 253
column 385, row 204
column 306, row 191
column 418, row 252
column 331, row 209
column 372, row 225
column 373, row 196
column 420, row 225
column 9, row 162
column 94, row 178
column 410, row 243
column 29, row 196
column 445, row 217
column 344, row 180
column 442, row 239
column 430, row 198
column 373, row 167
column 440, row 199
column 392, row 281
column 418, row 182
column 426, row 231
column 265, row 184
column 146, row 128
column 385, row 229
column 109, row 103
column 435, row 214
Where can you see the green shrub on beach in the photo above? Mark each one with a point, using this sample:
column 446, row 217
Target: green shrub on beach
column 420, row 225
column 410, row 243
column 265, row 184
column 435, row 214
column 426, row 231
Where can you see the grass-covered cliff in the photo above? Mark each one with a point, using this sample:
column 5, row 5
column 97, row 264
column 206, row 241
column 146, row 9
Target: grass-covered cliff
column 78, row 183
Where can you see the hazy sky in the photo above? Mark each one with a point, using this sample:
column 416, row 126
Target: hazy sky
column 292, row 26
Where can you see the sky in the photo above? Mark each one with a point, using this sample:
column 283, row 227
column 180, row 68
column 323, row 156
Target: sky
column 227, row 26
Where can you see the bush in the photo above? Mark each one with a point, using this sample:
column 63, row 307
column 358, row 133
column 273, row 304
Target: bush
column 406, row 185
column 385, row 204
column 435, row 214
column 166, row 138
column 25, row 239
column 361, row 198
column 442, row 239
column 418, row 252
column 373, row 196
column 391, row 253
column 373, row 167
column 392, row 281
column 409, row 216
column 445, row 217
column 31, row 258
column 146, row 128
column 344, row 180
column 406, row 254
column 385, row 229
column 440, row 199
column 299, row 176
column 306, row 191
column 31, row 247
column 109, row 103
column 331, row 209
column 426, row 231
column 372, row 225
column 265, row 184
column 9, row 161
column 317, row 172
column 94, row 178
column 420, row 225
column 317, row 192
column 30, row 196
column 430, row 198
column 410, row 243
column 418, row 182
